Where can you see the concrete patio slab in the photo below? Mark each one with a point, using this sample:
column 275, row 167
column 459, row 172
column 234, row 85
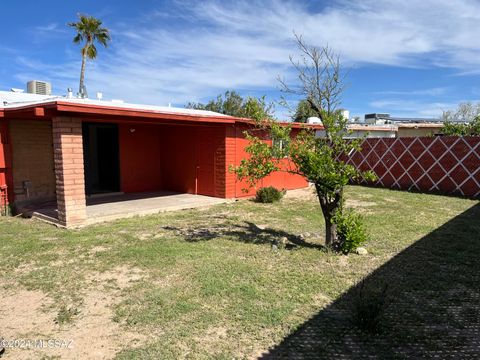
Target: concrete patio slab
column 119, row 206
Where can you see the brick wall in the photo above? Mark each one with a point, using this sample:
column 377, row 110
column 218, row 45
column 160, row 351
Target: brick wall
column 32, row 160
column 69, row 170
column 447, row 165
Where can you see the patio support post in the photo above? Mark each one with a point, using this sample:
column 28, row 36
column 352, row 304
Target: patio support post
column 69, row 170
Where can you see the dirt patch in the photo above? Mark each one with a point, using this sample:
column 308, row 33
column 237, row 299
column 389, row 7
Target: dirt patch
column 122, row 276
column 363, row 195
column 92, row 335
column 168, row 281
column 16, row 310
column 309, row 194
column 320, row 300
column 98, row 249
column 25, row 268
column 144, row 236
column 343, row 261
column 359, row 203
column 303, row 194
column 211, row 338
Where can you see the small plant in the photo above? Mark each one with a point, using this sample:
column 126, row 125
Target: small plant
column 350, row 229
column 268, row 195
column 65, row 315
column 368, row 308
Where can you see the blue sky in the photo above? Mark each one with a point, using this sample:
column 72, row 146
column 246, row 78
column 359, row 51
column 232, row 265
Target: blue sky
column 407, row 58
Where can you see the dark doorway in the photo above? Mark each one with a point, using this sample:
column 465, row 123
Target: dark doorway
column 101, row 157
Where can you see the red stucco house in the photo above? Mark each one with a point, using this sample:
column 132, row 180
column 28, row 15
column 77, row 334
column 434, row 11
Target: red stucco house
column 68, row 149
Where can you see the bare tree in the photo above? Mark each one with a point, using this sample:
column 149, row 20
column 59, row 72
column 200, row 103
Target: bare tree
column 318, row 159
column 465, row 112
column 320, row 75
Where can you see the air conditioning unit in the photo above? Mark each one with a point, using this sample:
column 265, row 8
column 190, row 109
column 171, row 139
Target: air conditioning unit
column 39, row 87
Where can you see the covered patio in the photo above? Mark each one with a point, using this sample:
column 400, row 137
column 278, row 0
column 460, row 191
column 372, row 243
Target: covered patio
column 79, row 161
column 118, row 206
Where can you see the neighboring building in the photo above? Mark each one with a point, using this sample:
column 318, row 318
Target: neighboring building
column 372, row 131
column 384, row 119
column 391, row 130
column 395, row 130
column 384, row 125
column 419, row 129
column 66, row 149
column 377, row 119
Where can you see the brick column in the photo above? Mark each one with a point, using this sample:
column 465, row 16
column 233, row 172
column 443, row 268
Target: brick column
column 69, row 170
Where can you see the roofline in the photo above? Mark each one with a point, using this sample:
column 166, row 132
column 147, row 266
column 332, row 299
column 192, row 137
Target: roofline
column 358, row 127
column 82, row 108
column 65, row 106
column 420, row 125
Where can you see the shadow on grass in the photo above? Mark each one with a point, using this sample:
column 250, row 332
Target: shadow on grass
column 247, row 232
column 433, row 304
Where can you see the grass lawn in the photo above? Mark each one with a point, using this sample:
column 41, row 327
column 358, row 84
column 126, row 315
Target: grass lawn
column 207, row 283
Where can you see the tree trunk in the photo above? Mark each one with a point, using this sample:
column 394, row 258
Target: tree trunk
column 330, row 205
column 331, row 237
column 82, row 75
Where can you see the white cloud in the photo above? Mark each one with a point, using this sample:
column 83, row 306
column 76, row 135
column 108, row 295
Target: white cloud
column 435, row 91
column 51, row 27
column 414, row 108
column 203, row 48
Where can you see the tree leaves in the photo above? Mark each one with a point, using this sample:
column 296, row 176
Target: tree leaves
column 90, row 30
column 233, row 104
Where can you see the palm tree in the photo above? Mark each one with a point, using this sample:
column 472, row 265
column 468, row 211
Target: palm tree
column 89, row 30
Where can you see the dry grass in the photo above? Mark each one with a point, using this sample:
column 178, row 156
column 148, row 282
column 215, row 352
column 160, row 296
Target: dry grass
column 194, row 284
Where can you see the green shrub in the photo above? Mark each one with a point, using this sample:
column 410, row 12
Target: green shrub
column 268, row 195
column 351, row 230
column 66, row 315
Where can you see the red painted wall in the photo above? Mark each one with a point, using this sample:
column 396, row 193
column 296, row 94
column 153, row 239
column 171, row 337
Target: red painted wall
column 230, row 159
column 5, row 162
column 279, row 179
column 178, row 158
column 140, row 160
column 189, row 159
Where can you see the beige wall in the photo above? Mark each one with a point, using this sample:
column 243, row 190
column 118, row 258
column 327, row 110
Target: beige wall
column 32, row 159
column 411, row 132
